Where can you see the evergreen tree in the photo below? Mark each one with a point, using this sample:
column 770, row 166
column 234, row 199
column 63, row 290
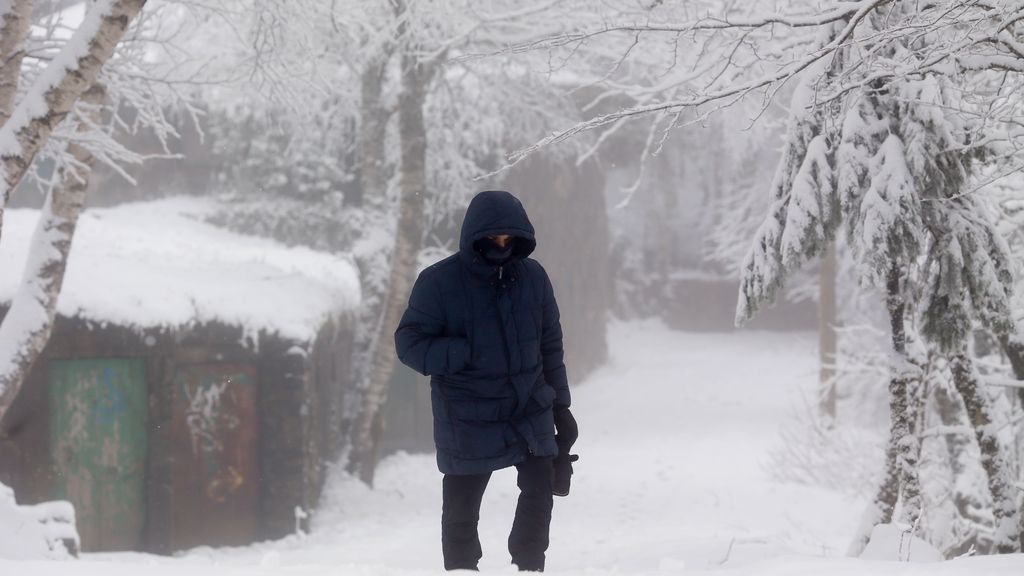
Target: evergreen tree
column 898, row 174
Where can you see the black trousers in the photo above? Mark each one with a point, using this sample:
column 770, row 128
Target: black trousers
column 462, row 494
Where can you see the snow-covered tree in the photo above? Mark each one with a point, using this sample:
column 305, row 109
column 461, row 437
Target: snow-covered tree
column 898, row 109
column 909, row 218
column 27, row 129
column 52, row 137
column 415, row 127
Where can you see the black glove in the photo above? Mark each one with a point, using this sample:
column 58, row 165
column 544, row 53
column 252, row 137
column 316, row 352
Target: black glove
column 566, row 433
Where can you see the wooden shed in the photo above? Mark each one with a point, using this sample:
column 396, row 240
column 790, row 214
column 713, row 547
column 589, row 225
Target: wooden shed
column 191, row 391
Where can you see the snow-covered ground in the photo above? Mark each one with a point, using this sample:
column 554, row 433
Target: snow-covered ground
column 674, row 435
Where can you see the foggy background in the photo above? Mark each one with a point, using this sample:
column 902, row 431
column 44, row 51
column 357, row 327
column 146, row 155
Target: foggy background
column 254, row 168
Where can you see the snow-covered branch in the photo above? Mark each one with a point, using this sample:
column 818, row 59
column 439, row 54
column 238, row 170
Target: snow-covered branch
column 706, row 23
column 55, row 92
column 743, row 53
column 734, row 90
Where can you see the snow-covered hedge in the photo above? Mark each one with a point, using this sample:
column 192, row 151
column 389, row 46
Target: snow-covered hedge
column 44, row 530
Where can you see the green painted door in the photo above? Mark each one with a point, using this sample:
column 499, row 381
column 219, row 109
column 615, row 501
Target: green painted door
column 98, row 413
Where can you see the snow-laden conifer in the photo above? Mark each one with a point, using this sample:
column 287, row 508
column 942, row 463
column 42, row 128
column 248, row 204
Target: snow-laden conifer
column 813, row 211
column 922, row 91
column 899, row 176
column 861, row 135
column 889, row 230
column 969, row 277
column 763, row 271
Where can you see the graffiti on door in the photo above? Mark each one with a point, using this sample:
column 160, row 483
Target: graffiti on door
column 206, row 416
column 214, row 476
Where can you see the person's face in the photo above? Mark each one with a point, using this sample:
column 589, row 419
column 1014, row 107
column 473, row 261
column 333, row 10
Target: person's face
column 501, row 240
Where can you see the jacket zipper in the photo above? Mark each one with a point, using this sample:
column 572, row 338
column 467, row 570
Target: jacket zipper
column 504, row 336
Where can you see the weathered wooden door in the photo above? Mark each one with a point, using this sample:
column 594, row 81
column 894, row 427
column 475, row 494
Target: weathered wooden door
column 98, row 443
column 214, row 476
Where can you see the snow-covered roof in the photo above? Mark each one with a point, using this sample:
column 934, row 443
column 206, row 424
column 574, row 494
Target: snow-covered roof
column 158, row 264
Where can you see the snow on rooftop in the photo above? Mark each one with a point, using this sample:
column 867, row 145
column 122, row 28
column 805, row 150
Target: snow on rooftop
column 157, row 264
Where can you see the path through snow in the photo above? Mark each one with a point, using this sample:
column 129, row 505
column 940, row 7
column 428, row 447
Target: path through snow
column 675, row 432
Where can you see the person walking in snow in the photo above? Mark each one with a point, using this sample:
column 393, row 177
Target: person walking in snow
column 484, row 325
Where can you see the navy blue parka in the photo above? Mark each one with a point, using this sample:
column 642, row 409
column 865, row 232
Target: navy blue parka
column 490, row 339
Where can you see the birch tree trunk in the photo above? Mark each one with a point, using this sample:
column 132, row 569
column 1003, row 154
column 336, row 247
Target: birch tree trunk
column 374, row 259
column 372, row 138
column 369, row 424
column 52, row 96
column 827, row 321
column 14, row 25
column 1007, row 540
column 27, row 325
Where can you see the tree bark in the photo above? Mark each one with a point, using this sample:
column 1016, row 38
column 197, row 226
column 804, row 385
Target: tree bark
column 828, row 318
column 904, row 449
column 901, row 416
column 14, row 26
column 1013, row 347
column 373, row 116
column 54, row 93
column 369, row 424
column 27, row 326
column 993, row 458
column 374, row 259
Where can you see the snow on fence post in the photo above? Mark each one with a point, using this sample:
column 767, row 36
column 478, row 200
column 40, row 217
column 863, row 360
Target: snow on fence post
column 47, row 103
column 57, row 520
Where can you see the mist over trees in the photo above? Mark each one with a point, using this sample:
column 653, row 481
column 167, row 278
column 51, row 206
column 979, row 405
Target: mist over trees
column 856, row 161
column 899, row 114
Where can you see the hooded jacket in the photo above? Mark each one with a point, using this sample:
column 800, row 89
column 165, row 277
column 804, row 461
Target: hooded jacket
column 489, row 337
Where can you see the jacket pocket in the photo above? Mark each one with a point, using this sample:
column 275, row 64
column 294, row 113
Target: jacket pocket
column 544, row 395
column 458, row 354
column 445, row 436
